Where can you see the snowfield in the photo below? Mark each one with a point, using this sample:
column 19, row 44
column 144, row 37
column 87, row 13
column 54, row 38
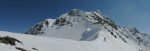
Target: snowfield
column 57, row 44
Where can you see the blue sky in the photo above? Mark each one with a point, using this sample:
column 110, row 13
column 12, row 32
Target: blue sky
column 20, row 15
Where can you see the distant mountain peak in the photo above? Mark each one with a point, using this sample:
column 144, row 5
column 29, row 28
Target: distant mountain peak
column 133, row 29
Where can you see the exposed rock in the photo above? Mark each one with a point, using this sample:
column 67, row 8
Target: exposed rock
column 34, row 48
column 9, row 40
column 21, row 49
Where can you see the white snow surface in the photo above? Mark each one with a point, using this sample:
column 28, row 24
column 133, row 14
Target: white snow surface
column 104, row 42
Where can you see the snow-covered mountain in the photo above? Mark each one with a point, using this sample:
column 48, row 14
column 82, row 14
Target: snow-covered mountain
column 76, row 30
column 84, row 26
column 76, row 25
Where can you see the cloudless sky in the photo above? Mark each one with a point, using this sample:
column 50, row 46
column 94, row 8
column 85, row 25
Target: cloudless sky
column 20, row 15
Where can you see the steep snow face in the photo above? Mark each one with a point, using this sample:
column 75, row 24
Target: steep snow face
column 76, row 25
column 104, row 42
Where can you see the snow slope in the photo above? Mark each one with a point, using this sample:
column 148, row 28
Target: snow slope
column 104, row 42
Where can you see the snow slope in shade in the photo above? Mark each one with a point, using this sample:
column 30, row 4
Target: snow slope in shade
column 104, row 42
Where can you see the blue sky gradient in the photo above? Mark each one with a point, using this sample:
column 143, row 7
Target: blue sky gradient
column 20, row 15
